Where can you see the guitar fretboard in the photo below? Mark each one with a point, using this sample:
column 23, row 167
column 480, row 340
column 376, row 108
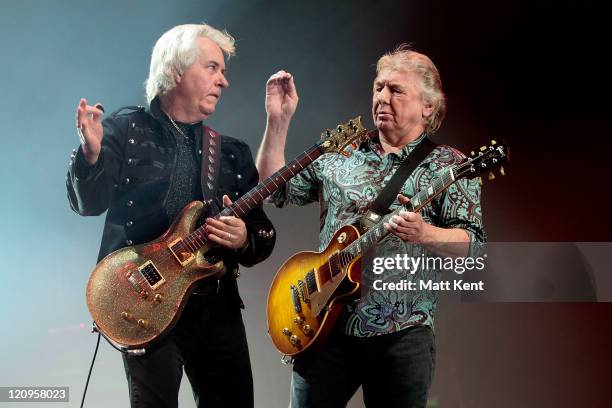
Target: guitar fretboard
column 257, row 194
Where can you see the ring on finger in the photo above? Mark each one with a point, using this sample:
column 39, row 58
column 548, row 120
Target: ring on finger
column 229, row 236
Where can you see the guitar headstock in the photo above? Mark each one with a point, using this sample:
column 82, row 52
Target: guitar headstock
column 337, row 139
column 487, row 159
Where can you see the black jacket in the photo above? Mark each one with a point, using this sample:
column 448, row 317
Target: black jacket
column 132, row 177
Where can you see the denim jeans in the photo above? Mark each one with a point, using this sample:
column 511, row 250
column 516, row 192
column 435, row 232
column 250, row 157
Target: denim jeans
column 209, row 342
column 395, row 370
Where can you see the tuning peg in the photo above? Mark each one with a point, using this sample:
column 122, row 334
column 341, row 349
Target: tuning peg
column 483, row 148
column 491, row 176
column 480, row 181
column 502, row 171
column 493, row 142
column 472, row 153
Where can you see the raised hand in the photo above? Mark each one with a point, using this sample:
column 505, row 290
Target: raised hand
column 281, row 97
column 89, row 129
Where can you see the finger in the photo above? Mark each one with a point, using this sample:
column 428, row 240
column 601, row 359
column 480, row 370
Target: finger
column 219, row 232
column 217, row 223
column 81, row 111
column 214, row 238
column 94, row 112
column 232, row 221
column 290, row 88
column 410, row 216
column 278, row 78
column 403, row 200
column 226, row 200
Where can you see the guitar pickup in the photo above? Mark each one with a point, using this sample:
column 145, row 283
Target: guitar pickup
column 311, row 282
column 303, row 293
column 182, row 255
column 151, row 274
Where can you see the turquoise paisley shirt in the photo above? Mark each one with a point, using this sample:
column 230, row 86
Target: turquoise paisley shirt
column 345, row 186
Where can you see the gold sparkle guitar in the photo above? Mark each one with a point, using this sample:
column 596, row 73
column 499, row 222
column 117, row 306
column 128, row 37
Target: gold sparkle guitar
column 137, row 293
column 310, row 289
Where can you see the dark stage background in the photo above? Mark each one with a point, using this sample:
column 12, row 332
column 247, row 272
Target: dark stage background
column 530, row 73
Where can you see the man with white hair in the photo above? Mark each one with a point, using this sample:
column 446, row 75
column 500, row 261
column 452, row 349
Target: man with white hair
column 384, row 340
column 145, row 166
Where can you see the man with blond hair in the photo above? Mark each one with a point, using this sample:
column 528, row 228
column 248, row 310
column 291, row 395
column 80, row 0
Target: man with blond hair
column 384, row 340
column 144, row 166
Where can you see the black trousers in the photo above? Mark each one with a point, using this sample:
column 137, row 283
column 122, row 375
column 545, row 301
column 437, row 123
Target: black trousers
column 395, row 370
column 209, row 342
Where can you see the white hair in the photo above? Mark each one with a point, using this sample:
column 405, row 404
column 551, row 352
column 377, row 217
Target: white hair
column 176, row 50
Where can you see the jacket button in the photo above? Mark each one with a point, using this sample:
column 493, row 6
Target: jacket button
column 129, row 223
column 236, row 193
column 126, row 180
column 131, row 141
column 239, row 176
column 231, row 156
column 128, row 242
column 129, row 203
column 130, row 162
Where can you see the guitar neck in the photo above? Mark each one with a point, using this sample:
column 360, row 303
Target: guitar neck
column 378, row 232
column 259, row 193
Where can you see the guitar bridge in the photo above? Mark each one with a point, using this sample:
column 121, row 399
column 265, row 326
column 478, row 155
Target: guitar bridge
column 182, row 255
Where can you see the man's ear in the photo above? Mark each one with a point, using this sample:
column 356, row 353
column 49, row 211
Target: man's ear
column 177, row 78
column 428, row 109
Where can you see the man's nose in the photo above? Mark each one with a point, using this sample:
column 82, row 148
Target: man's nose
column 383, row 96
column 222, row 81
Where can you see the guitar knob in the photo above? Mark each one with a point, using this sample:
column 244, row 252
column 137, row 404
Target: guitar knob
column 126, row 315
column 294, row 339
column 307, row 329
column 143, row 323
column 298, row 320
column 158, row 298
column 286, row 331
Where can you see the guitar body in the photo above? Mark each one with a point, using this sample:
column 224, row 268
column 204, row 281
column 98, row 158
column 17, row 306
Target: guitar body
column 136, row 294
column 298, row 323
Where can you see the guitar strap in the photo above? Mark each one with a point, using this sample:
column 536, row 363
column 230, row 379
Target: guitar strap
column 380, row 206
column 209, row 176
column 211, row 158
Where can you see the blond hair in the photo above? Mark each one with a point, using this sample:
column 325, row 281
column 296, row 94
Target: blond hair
column 404, row 58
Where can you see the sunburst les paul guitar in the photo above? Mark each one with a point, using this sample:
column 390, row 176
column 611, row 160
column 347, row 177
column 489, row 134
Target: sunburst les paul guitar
column 136, row 294
column 311, row 288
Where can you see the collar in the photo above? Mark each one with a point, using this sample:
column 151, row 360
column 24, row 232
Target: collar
column 376, row 147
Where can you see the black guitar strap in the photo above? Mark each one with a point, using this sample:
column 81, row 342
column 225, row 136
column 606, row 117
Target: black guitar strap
column 380, row 206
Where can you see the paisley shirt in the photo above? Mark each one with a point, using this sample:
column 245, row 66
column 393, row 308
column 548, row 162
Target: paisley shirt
column 345, row 186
